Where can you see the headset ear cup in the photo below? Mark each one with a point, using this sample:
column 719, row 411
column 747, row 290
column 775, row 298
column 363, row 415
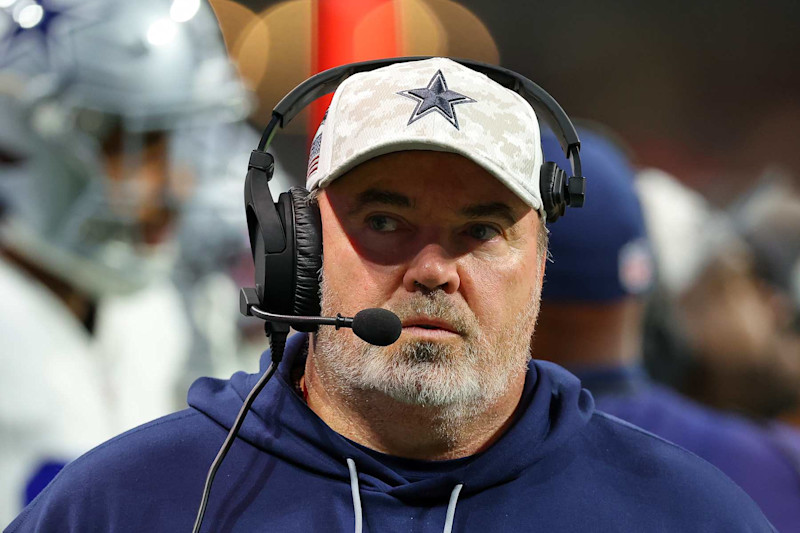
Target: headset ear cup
column 553, row 188
column 308, row 250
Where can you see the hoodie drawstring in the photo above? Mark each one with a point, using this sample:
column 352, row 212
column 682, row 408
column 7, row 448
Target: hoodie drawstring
column 354, row 490
column 451, row 508
column 351, row 465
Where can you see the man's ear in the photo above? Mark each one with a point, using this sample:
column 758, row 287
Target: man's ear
column 542, row 244
column 542, row 263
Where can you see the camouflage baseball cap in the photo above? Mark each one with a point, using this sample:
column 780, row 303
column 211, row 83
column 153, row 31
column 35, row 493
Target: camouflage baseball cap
column 432, row 104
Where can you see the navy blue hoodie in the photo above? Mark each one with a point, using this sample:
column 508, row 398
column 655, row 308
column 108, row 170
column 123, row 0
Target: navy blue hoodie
column 560, row 467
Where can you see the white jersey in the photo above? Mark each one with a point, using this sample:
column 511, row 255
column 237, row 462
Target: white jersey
column 65, row 390
column 53, row 404
column 142, row 341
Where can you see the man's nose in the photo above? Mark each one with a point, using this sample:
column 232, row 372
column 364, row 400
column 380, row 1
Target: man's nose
column 431, row 269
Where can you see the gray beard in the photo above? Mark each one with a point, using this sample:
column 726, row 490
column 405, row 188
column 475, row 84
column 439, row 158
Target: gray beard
column 460, row 378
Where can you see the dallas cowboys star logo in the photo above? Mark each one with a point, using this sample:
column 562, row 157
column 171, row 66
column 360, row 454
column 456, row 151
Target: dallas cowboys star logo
column 436, row 97
column 37, row 48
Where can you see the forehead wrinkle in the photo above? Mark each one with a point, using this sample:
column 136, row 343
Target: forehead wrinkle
column 493, row 210
column 373, row 196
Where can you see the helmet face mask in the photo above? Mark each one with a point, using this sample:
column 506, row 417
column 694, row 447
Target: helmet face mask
column 60, row 213
column 93, row 200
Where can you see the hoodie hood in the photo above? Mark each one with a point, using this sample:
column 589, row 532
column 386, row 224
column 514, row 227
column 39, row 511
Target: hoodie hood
column 553, row 407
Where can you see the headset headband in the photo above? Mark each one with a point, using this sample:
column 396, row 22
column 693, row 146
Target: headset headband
column 329, row 80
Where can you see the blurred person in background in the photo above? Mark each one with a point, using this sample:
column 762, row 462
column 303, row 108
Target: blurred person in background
column 591, row 323
column 95, row 333
column 54, row 401
column 718, row 329
column 768, row 219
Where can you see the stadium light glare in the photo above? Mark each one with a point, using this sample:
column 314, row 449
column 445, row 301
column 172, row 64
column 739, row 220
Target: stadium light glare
column 161, row 32
column 184, row 10
column 29, row 16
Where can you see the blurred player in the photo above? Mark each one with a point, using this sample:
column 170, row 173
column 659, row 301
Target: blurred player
column 591, row 322
column 731, row 326
column 768, row 219
column 97, row 336
column 54, row 402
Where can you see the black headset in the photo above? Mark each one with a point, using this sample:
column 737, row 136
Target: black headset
column 286, row 237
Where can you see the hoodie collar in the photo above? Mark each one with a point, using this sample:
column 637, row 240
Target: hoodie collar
column 553, row 407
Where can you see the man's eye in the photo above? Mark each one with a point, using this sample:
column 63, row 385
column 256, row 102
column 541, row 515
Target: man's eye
column 482, row 232
column 382, row 223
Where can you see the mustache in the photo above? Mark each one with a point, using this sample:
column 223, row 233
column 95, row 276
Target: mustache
column 440, row 306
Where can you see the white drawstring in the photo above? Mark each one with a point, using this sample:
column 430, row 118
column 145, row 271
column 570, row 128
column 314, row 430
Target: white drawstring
column 351, row 465
column 451, row 508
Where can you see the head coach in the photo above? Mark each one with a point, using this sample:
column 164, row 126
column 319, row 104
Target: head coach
column 426, row 175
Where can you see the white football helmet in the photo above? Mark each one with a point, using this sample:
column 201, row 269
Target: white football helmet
column 112, row 68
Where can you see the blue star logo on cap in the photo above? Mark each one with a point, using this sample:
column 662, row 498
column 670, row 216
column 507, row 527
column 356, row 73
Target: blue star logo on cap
column 436, row 98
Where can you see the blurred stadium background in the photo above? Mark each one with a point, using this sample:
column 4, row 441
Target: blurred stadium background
column 706, row 90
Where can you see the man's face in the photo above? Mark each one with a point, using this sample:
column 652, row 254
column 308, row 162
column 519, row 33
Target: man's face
column 738, row 328
column 442, row 243
column 143, row 186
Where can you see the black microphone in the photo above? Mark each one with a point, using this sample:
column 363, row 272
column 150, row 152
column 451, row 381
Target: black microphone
column 376, row 326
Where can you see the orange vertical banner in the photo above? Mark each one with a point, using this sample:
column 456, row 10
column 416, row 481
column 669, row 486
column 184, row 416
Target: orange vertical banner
column 351, row 30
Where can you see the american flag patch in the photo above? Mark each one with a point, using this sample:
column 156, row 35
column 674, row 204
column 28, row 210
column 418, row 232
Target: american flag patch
column 313, row 156
column 313, row 164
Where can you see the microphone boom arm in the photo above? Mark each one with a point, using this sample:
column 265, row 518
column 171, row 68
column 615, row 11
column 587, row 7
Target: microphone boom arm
column 248, row 306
